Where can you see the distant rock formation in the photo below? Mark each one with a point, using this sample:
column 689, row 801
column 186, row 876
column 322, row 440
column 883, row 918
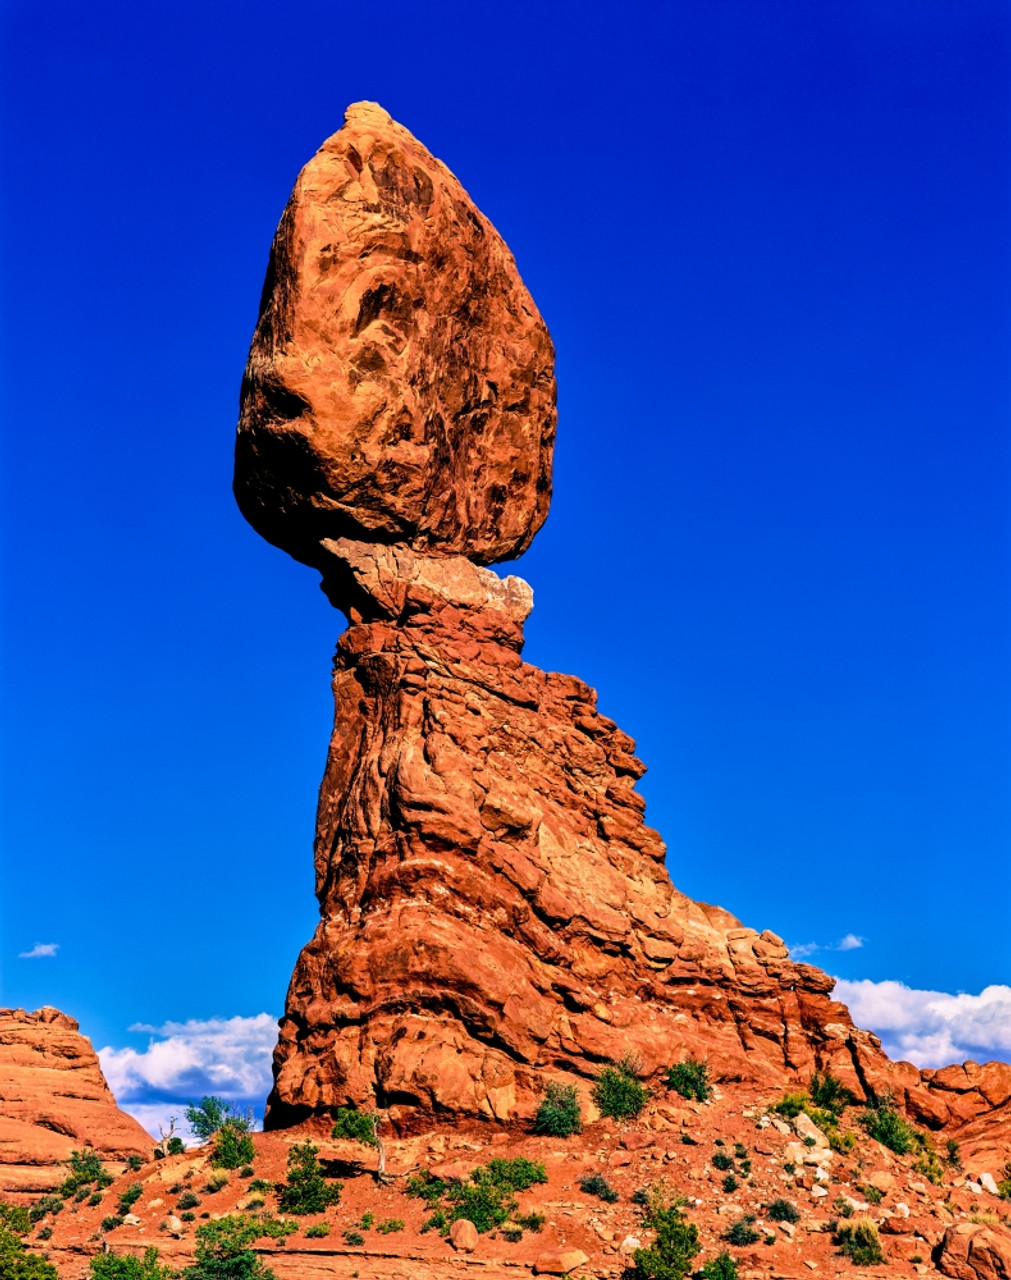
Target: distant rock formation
column 494, row 912
column 53, row 1098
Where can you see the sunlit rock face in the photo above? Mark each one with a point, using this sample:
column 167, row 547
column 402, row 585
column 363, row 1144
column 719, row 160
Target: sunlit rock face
column 494, row 910
column 400, row 386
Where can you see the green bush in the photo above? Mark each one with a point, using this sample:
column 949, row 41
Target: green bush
column 789, row 1167
column 318, row 1230
column 233, row 1146
column 223, row 1251
column 595, row 1184
column 246, row 1171
column 389, row 1225
column 134, row 1163
column 929, row 1166
column 16, row 1263
column 843, row 1207
column 722, row 1161
column 890, row 1128
column 111, row 1221
column 512, row 1234
column 952, row 1154
column 15, row 1218
column 675, row 1243
column 95, row 1198
column 689, row 1078
column 188, row 1216
column 688, row 1140
column 85, row 1168
column 188, row 1200
column 740, row 1151
column 618, row 1092
column 124, row 1266
column 790, row 1105
column 559, row 1114
column 829, row 1093
column 730, row 1183
column 260, row 1184
column 783, row 1211
column 353, row 1238
column 486, row 1199
column 130, row 1196
column 871, row 1194
column 355, row 1126
column 276, row 1228
column 44, row 1205
column 307, row 1190
column 518, row 1174
column 722, row 1267
column 216, row 1181
column 425, row 1186
column 482, row 1203
column 742, row 1232
column 529, row 1221
column 859, row 1241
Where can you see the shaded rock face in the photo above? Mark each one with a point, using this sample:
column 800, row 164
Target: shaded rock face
column 399, row 387
column 974, row 1251
column 494, row 911
column 53, row 1098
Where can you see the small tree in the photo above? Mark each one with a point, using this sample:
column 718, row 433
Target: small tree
column 224, row 1253
column 233, row 1147
column 307, row 1190
column 675, row 1244
column 617, row 1091
column 363, row 1127
column 169, row 1143
column 690, row 1078
column 124, row 1266
column 207, row 1116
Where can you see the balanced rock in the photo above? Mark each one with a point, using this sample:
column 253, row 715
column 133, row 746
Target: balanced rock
column 399, row 387
column 53, row 1098
column 494, row 910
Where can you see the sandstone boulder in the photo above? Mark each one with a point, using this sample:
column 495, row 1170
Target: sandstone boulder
column 973, row 1251
column 463, row 1236
column 559, row 1262
column 399, row 387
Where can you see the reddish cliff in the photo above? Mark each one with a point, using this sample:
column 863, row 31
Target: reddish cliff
column 494, row 911
column 53, row 1098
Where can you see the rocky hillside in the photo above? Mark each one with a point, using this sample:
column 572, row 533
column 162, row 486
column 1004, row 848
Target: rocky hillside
column 53, row 1098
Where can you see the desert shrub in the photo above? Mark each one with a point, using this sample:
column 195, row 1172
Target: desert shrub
column 188, row 1216
column 425, row 1186
column 81, row 1194
column 730, row 1184
column 841, row 1142
column 260, row 1184
column 871, row 1194
column 929, row 1166
column 688, row 1140
column 675, row 1242
column 690, row 1078
column 356, row 1126
column 783, row 1211
column 887, row 1126
column 640, row 1197
column 722, row 1161
column 307, row 1190
column 810, row 1142
column 740, row 1151
column 529, row 1221
column 130, row 1196
column 482, row 1203
column 134, row 1163
column 389, row 1225
column 318, row 1230
column 746, row 1166
column 859, row 1241
column 486, row 1199
column 95, row 1198
column 207, row 1116
column 353, row 1238
column 512, row 1175
column 366, row 1221
column 512, row 1234
column 790, row 1105
column 223, row 1251
column 952, row 1154
column 15, row 1218
column 722, row 1267
column 618, row 1092
column 45, row 1205
column 216, row 1181
column 829, row 1093
column 84, row 1168
column 233, row 1146
column 123, row 1266
column 17, row 1263
column 111, row 1221
column 255, row 1202
column 276, row 1228
column 842, row 1207
column 595, row 1184
column 742, row 1232
column 188, row 1200
column 789, row 1167
column 46, row 1233
column 246, row 1171
column 559, row 1114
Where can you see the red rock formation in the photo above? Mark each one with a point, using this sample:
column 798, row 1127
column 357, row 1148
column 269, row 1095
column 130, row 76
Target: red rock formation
column 975, row 1251
column 53, row 1098
column 494, row 910
column 399, row 386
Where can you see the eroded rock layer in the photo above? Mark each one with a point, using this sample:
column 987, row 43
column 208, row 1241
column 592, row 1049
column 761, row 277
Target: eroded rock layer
column 495, row 912
column 53, row 1098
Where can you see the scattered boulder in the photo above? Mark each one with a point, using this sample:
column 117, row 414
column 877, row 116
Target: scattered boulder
column 463, row 1236
column 559, row 1262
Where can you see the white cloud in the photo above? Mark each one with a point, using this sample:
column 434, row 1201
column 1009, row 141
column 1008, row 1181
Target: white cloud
column 229, row 1057
column 931, row 1028
column 39, row 950
column 851, row 942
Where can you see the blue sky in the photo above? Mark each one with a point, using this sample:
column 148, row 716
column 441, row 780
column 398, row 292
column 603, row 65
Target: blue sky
column 771, row 244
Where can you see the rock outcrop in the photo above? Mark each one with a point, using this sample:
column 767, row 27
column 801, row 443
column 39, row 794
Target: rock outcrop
column 975, row 1251
column 53, row 1098
column 494, row 911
